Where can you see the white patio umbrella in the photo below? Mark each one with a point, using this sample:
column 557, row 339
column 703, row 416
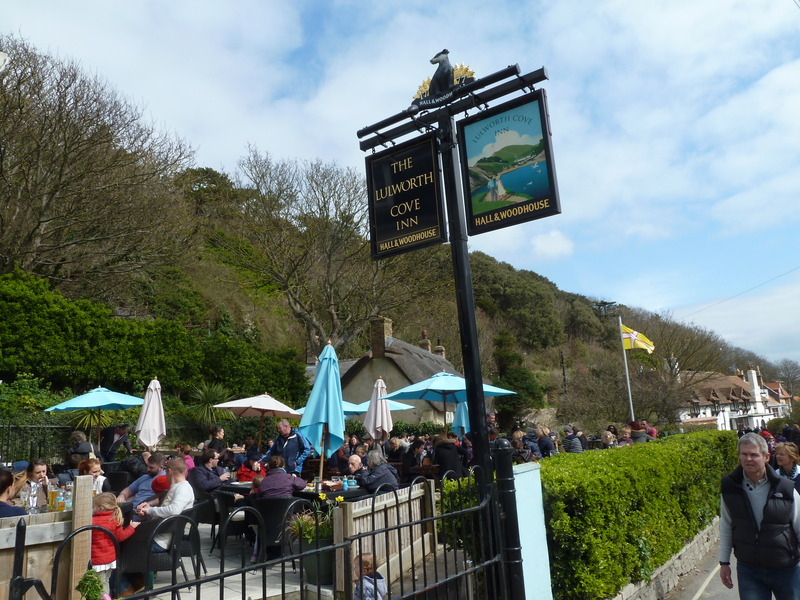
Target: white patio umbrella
column 259, row 406
column 378, row 421
column 151, row 427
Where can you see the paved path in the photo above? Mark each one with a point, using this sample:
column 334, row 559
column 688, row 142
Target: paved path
column 703, row 582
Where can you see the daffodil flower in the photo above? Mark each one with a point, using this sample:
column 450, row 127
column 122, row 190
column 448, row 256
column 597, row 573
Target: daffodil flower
column 340, row 498
column 323, row 496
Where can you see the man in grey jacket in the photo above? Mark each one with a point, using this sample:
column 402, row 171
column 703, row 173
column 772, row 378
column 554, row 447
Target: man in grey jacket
column 759, row 519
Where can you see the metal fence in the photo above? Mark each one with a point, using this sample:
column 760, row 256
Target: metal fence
column 462, row 553
column 28, row 442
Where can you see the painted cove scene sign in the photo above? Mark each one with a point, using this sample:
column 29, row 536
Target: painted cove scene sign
column 507, row 165
column 406, row 209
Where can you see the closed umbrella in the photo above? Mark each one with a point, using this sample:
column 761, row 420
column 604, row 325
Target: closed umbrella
column 460, row 424
column 151, row 427
column 378, row 421
column 97, row 399
column 323, row 419
column 443, row 387
column 259, row 406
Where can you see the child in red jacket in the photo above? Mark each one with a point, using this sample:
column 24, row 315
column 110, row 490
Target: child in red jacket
column 107, row 514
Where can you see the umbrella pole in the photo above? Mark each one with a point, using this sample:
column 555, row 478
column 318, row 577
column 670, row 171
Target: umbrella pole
column 98, row 428
column 322, row 455
column 260, row 430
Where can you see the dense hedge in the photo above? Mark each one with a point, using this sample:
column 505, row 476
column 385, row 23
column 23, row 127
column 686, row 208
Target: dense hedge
column 80, row 345
column 614, row 516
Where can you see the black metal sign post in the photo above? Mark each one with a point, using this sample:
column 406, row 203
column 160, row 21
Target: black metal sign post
column 459, row 99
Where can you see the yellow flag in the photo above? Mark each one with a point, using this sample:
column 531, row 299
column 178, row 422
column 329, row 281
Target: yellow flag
column 634, row 339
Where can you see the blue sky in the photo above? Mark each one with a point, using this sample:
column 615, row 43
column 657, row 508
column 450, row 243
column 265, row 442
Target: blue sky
column 676, row 125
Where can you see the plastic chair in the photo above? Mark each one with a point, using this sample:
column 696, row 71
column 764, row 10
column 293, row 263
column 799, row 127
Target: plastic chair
column 207, row 513
column 118, row 480
column 236, row 527
column 276, row 513
column 137, row 556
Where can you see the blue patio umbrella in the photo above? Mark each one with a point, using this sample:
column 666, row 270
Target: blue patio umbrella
column 348, row 408
column 97, row 399
column 323, row 419
column 443, row 387
column 393, row 405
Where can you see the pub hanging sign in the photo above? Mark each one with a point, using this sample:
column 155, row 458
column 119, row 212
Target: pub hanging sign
column 406, row 210
column 507, row 165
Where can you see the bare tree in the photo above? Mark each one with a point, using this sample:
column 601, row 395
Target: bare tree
column 788, row 374
column 301, row 229
column 85, row 193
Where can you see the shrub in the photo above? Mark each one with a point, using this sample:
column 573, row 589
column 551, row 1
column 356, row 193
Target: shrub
column 614, row 516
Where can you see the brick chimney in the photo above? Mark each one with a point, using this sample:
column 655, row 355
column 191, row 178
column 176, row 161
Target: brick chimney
column 439, row 349
column 425, row 343
column 380, row 329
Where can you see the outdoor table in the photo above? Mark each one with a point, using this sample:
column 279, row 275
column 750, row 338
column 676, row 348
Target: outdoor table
column 236, row 487
column 349, row 494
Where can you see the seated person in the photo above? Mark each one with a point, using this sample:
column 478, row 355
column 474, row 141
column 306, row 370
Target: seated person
column 6, row 487
column 354, row 465
column 395, row 450
column 179, row 498
column 378, row 473
column 32, row 483
column 250, row 468
column 185, row 452
column 277, row 483
column 142, row 489
column 415, row 456
column 91, row 466
column 207, row 476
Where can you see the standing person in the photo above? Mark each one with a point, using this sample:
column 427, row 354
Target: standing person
column 369, row 584
column 111, row 439
column 649, row 429
column 759, row 518
column 571, row 442
column 291, row 445
column 106, row 513
column 546, row 446
column 217, row 441
column 787, row 458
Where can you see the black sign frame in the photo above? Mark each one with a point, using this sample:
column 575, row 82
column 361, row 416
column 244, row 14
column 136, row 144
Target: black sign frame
column 524, row 117
column 406, row 206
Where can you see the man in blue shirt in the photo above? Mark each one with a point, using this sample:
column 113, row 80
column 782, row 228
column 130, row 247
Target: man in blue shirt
column 141, row 490
column 291, row 445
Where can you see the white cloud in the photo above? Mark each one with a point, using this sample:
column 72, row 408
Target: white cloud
column 551, row 245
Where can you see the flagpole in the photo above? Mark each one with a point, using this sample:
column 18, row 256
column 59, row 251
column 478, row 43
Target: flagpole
column 625, row 361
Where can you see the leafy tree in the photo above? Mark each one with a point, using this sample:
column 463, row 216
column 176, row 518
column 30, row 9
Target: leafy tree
column 519, row 300
column 203, row 398
column 513, row 376
column 85, row 193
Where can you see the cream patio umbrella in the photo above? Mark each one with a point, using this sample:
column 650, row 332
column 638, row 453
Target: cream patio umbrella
column 378, row 421
column 151, row 427
column 259, row 406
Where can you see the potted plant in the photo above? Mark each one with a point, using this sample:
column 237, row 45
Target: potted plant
column 91, row 587
column 314, row 528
